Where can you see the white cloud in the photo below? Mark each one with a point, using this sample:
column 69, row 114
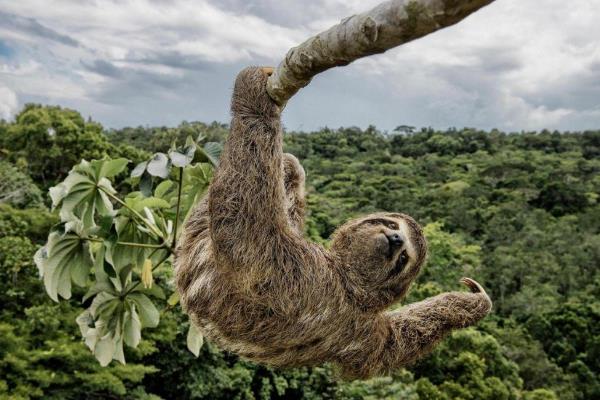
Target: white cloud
column 504, row 67
column 120, row 31
column 8, row 103
column 513, row 65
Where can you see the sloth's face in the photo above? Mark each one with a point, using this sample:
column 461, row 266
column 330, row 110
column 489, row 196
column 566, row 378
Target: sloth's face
column 382, row 253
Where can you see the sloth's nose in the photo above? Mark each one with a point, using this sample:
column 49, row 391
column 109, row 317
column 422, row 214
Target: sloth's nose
column 395, row 239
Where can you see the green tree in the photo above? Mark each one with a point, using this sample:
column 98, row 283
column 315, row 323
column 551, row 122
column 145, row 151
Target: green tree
column 117, row 254
column 478, row 195
column 47, row 141
column 17, row 189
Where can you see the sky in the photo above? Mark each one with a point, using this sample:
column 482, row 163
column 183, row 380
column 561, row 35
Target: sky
column 514, row 65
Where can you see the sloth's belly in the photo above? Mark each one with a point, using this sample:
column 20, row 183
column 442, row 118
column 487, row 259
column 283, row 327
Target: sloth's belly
column 255, row 331
column 300, row 333
column 277, row 351
column 239, row 319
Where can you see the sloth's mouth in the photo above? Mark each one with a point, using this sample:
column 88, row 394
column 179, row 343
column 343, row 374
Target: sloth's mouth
column 400, row 264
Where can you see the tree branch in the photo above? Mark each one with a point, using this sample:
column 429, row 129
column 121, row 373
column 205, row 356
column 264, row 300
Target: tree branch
column 388, row 25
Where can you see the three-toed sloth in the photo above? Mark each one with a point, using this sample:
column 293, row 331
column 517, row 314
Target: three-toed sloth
column 255, row 286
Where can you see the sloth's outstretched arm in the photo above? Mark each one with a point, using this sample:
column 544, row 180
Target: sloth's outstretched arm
column 413, row 331
column 247, row 199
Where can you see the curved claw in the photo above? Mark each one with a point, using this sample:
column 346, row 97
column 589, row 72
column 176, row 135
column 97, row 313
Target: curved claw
column 473, row 285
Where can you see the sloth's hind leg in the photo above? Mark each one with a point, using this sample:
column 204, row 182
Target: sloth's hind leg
column 294, row 177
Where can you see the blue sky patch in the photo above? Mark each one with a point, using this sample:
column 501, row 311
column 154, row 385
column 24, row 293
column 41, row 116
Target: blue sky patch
column 6, row 50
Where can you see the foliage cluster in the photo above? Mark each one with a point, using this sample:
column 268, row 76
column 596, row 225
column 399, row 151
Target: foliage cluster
column 518, row 212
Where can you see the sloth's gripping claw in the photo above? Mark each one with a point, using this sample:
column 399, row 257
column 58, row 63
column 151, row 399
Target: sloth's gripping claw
column 484, row 302
column 473, row 285
column 268, row 70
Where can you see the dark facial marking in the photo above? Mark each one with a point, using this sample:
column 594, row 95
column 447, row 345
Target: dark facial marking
column 380, row 221
column 400, row 264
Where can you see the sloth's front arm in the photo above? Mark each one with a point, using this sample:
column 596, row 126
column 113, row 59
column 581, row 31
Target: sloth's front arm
column 248, row 205
column 413, row 331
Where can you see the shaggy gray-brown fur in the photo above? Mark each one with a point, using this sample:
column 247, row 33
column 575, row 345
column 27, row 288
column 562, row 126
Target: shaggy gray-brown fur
column 255, row 286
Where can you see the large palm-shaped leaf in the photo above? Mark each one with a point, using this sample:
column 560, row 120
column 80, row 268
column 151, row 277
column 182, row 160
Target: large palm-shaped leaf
column 210, row 152
column 66, row 257
column 85, row 190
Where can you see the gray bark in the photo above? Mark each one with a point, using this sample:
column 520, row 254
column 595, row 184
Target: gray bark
column 388, row 25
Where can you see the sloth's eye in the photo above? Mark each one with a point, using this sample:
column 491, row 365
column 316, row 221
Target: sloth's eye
column 403, row 260
column 404, row 257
